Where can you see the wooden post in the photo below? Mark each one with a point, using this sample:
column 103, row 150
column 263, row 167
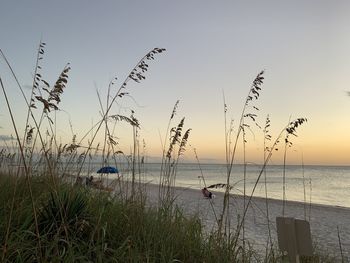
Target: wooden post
column 294, row 237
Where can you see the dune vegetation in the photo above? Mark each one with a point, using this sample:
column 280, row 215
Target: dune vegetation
column 48, row 214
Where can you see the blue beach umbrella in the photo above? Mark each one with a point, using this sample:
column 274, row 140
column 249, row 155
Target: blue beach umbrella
column 108, row 170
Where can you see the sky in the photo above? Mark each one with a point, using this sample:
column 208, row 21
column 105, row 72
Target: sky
column 214, row 49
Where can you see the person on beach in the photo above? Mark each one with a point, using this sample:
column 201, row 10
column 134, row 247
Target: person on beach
column 207, row 193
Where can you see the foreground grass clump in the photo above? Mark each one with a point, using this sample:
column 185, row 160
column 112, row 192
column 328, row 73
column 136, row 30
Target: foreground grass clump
column 77, row 224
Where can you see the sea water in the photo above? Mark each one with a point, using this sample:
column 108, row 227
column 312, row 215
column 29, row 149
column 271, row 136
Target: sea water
column 329, row 185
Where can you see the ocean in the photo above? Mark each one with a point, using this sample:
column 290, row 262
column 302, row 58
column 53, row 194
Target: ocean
column 328, row 185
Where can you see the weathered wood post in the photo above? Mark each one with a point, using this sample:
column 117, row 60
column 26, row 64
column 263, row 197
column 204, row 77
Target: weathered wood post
column 294, row 237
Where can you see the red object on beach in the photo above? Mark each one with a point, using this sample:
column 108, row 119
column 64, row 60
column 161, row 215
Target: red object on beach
column 206, row 193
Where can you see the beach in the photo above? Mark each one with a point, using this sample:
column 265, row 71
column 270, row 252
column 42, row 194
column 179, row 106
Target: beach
column 323, row 219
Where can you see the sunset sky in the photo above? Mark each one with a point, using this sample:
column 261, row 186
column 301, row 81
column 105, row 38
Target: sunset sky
column 213, row 48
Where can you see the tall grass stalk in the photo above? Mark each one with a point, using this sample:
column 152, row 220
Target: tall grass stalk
column 244, row 182
column 40, row 52
column 310, row 200
column 267, row 137
column 289, row 129
column 177, row 146
column 164, row 156
column 253, row 94
column 134, row 131
column 29, row 105
column 53, row 95
column 304, row 185
column 228, row 169
column 340, row 246
column 284, row 177
column 108, row 139
column 136, row 75
column 205, row 184
column 50, row 103
column 26, row 174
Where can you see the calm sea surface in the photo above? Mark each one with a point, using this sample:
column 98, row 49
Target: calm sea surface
column 329, row 185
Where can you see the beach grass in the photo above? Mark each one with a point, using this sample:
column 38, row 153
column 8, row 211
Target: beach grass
column 80, row 224
column 83, row 224
column 45, row 217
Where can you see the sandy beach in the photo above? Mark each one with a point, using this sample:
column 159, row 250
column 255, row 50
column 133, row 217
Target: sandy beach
column 323, row 219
